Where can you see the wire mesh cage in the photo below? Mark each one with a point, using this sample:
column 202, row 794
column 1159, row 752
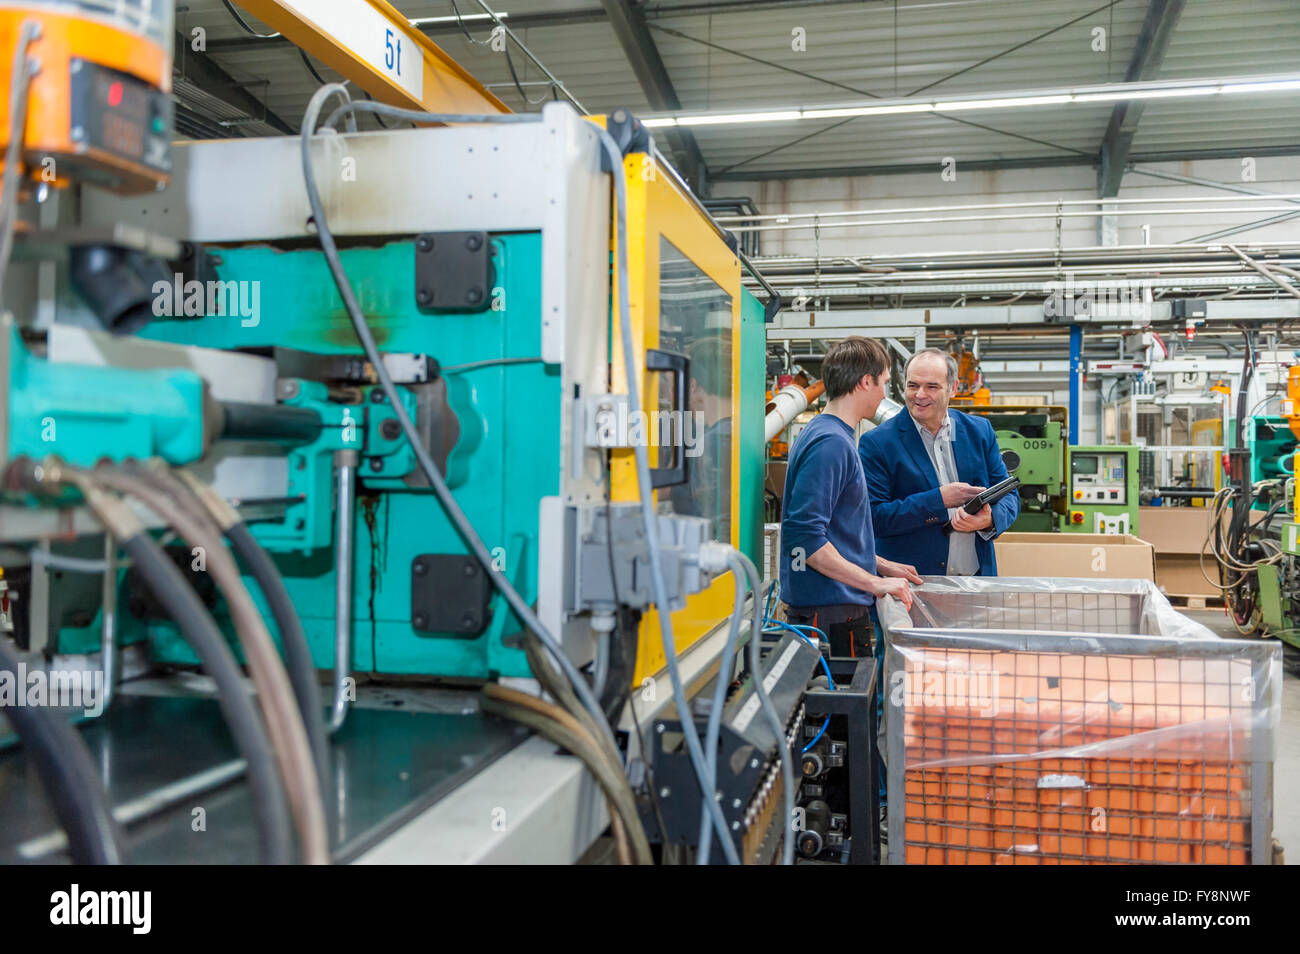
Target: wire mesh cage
column 1073, row 722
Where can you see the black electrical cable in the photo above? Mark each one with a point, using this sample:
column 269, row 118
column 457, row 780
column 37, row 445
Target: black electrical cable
column 297, row 654
column 510, row 63
column 64, row 766
column 519, row 87
column 450, row 506
column 182, row 604
column 244, row 24
column 464, row 29
column 311, row 69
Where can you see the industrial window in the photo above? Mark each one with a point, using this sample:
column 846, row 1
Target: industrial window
column 695, row 321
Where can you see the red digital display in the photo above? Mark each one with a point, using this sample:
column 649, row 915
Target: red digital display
column 115, row 93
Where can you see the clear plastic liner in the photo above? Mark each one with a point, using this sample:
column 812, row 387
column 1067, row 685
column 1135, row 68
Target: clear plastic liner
column 1120, row 607
column 1019, row 712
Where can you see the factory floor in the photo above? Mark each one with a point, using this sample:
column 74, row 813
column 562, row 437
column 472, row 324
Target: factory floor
column 1286, row 770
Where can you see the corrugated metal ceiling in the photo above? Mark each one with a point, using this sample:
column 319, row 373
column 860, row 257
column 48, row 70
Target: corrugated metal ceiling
column 738, row 54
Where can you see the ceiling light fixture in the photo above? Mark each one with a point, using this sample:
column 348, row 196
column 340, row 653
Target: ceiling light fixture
column 463, row 18
column 1109, row 92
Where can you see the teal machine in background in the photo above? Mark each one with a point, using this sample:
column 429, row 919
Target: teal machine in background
column 1272, row 449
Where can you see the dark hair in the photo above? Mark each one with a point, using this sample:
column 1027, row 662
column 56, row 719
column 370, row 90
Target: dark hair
column 848, row 360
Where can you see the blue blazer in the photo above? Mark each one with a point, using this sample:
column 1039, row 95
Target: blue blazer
column 906, row 505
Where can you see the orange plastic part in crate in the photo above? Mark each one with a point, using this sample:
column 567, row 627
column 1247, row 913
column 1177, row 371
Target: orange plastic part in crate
column 1073, row 722
column 1180, row 805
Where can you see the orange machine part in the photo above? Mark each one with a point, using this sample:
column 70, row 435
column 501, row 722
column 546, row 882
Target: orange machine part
column 1293, row 393
column 970, row 384
column 65, row 37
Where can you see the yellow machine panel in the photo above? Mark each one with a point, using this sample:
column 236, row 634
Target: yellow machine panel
column 674, row 251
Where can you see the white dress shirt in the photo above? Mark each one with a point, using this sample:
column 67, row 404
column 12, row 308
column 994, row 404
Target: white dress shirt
column 962, row 559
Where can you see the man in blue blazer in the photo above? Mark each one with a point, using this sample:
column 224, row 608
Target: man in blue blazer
column 923, row 465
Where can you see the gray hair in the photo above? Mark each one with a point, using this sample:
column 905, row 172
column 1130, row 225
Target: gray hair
column 948, row 359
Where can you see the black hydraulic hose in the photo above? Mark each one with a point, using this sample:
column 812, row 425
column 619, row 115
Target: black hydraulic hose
column 183, row 605
column 209, row 506
column 65, row 768
column 297, row 654
column 284, row 726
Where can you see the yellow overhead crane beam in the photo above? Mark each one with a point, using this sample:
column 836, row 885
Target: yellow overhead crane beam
column 371, row 43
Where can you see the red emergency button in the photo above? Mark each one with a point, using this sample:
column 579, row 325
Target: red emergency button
column 1076, row 516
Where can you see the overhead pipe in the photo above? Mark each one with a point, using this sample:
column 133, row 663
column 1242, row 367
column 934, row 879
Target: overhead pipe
column 888, row 408
column 1289, row 288
column 786, row 217
column 948, row 289
column 842, row 275
column 1014, row 216
column 1072, row 256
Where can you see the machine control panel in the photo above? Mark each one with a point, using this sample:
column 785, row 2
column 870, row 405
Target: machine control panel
column 120, row 128
column 1098, row 478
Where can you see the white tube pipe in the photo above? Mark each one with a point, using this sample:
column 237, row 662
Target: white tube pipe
column 787, row 404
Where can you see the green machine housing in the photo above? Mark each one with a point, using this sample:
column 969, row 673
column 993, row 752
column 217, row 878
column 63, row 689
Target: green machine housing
column 1033, row 450
column 1273, row 448
column 1102, row 490
column 503, row 460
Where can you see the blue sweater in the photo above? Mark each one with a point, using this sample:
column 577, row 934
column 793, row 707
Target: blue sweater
column 825, row 501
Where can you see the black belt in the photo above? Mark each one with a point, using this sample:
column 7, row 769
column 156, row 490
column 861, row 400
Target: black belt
column 827, row 615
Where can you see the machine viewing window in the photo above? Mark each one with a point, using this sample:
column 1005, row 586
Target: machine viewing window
column 695, row 321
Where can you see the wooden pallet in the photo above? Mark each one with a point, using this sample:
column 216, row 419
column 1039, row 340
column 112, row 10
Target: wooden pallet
column 1195, row 602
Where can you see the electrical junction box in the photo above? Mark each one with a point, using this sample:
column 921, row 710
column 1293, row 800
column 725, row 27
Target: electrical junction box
column 1102, row 490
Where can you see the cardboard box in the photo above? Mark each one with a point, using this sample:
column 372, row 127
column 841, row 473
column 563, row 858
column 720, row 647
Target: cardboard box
column 1098, row 556
column 1174, row 529
column 1179, row 574
column 1178, row 534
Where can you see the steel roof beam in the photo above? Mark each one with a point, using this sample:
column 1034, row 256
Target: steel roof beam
column 1148, row 54
column 201, row 70
column 629, row 25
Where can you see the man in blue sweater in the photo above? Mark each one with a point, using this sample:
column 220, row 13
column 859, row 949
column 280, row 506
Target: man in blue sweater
column 830, row 574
